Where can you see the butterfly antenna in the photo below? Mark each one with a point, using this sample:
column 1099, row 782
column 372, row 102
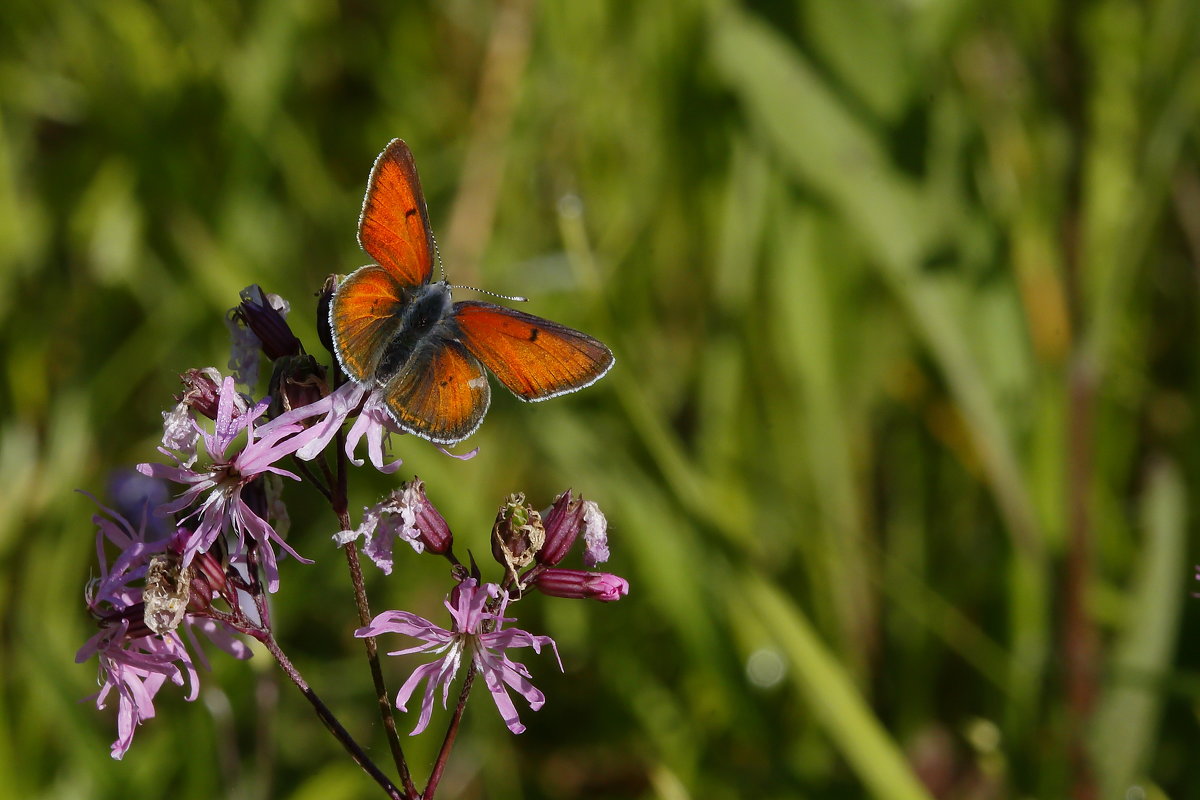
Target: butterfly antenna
column 437, row 252
column 515, row 298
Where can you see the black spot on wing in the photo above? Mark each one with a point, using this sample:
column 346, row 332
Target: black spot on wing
column 533, row 334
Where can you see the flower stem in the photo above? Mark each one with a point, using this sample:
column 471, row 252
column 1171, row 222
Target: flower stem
column 439, row 766
column 339, row 502
column 330, row 721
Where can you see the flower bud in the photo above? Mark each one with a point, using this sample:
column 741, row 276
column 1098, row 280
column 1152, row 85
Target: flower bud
column 264, row 314
column 208, row 581
column 296, row 381
column 562, row 521
column 577, row 584
column 517, row 535
column 127, row 624
column 430, row 524
column 201, row 391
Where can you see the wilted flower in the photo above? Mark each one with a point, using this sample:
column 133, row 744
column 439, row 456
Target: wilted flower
column 595, row 535
column 467, row 605
column 404, row 514
column 201, row 393
column 518, row 534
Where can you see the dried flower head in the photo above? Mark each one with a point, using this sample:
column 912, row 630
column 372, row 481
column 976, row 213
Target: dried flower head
column 517, row 535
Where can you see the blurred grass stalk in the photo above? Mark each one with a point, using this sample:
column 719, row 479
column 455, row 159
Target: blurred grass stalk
column 781, row 95
column 1127, row 717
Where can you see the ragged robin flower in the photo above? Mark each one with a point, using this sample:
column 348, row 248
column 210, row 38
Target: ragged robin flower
column 214, row 493
column 134, row 661
column 327, row 415
column 476, row 634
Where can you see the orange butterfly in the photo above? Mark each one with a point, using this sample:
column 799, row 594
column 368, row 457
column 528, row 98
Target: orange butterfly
column 395, row 329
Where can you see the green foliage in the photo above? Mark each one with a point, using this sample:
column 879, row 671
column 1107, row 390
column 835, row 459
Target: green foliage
column 904, row 302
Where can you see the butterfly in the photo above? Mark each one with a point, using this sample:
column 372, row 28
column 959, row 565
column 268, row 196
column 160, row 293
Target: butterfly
column 399, row 331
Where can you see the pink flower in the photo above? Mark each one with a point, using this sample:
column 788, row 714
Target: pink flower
column 217, row 490
column 133, row 661
column 137, row 669
column 374, row 422
column 468, row 607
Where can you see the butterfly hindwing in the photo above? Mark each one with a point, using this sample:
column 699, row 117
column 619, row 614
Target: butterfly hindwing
column 364, row 315
column 441, row 394
column 394, row 226
column 534, row 357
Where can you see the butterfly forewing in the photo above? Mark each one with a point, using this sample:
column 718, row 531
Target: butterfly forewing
column 534, row 357
column 441, row 395
column 363, row 316
column 394, row 226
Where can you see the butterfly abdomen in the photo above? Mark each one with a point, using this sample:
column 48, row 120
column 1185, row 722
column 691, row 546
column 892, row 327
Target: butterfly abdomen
column 430, row 305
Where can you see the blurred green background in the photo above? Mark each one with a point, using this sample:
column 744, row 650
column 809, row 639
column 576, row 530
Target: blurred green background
column 897, row 453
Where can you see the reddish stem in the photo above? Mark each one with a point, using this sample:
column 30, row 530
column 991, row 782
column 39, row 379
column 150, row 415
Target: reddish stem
column 439, row 766
column 340, row 504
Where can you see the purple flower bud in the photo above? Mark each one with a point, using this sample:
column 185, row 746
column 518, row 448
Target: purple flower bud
column 562, row 521
column 127, row 624
column 264, row 314
column 430, row 524
column 208, row 572
column 201, row 391
column 578, row 584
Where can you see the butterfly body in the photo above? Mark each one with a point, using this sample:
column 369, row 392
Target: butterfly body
column 424, row 322
column 397, row 330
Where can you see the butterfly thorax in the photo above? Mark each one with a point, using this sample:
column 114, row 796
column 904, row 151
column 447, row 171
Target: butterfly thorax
column 429, row 305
